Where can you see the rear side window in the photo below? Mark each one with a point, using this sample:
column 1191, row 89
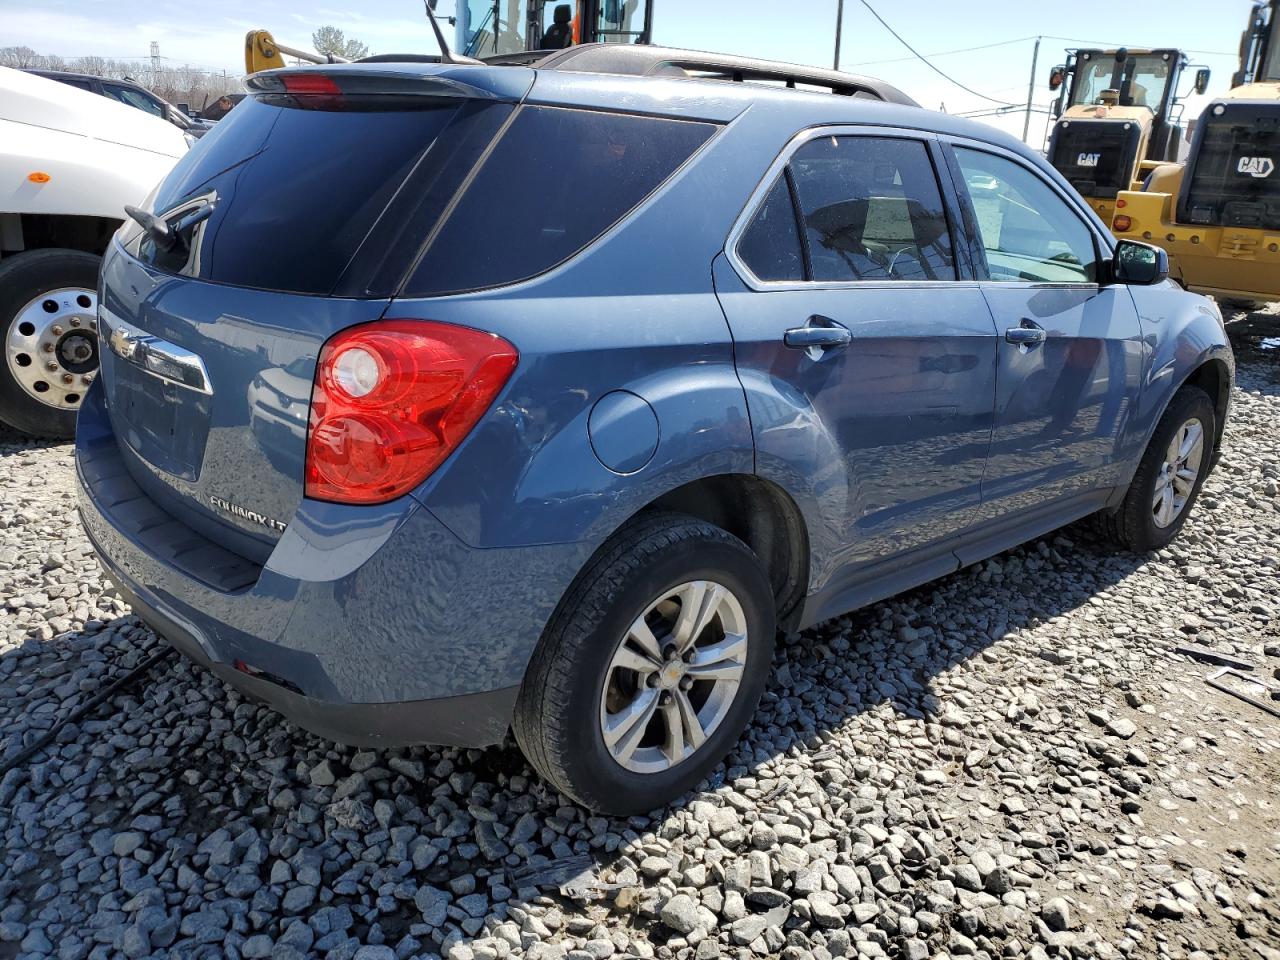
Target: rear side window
column 297, row 188
column 872, row 210
column 557, row 180
column 770, row 247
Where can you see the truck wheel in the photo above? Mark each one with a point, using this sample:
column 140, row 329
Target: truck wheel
column 48, row 316
column 651, row 667
column 1168, row 479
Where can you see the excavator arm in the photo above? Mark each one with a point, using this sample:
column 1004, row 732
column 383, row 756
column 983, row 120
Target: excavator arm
column 261, row 52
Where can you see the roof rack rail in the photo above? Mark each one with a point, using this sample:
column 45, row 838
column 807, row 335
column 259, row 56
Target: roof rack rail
column 643, row 60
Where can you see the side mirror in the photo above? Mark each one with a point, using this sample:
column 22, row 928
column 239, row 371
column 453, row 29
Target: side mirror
column 1056, row 76
column 1202, row 80
column 1140, row 264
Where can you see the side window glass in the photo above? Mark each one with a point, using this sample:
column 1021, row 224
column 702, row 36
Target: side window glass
column 515, row 221
column 872, row 210
column 132, row 98
column 1029, row 233
column 770, row 247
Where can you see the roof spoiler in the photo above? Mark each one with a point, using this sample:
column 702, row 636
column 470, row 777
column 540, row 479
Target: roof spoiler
column 402, row 79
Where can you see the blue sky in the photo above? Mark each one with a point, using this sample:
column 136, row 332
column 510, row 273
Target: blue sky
column 211, row 35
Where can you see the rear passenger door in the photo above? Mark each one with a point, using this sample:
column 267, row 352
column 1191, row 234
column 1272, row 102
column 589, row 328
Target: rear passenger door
column 1070, row 350
column 866, row 350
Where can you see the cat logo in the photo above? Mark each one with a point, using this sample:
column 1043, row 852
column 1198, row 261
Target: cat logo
column 1088, row 159
column 1257, row 167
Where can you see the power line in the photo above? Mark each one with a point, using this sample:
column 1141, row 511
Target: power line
column 1116, row 46
column 925, row 60
column 944, row 53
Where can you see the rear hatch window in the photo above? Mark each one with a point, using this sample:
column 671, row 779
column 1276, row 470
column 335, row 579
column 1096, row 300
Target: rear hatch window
column 296, row 184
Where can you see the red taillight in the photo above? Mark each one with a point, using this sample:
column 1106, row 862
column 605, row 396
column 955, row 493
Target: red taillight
column 310, row 84
column 1122, row 223
column 392, row 400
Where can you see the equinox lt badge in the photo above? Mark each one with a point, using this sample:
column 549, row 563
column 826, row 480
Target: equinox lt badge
column 226, row 506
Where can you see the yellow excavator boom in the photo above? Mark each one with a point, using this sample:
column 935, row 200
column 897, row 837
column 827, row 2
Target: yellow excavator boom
column 262, row 52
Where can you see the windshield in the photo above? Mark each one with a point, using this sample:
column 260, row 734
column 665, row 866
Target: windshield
column 488, row 27
column 1148, row 75
column 1271, row 58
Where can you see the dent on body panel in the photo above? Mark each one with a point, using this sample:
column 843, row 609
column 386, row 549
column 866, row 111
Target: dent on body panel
column 426, row 616
column 1074, row 394
column 1180, row 331
column 702, row 430
column 796, row 450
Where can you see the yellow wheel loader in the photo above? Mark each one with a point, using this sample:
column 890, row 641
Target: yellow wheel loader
column 1218, row 214
column 1117, row 110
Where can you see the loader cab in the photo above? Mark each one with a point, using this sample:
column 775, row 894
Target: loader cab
column 1260, row 47
column 497, row 28
column 1117, row 109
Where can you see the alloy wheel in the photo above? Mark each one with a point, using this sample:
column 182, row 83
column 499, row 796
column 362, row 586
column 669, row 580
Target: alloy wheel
column 1177, row 477
column 674, row 677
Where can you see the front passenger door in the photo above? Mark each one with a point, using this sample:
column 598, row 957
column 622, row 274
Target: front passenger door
column 1069, row 362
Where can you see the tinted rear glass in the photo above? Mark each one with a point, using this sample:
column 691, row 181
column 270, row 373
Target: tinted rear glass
column 771, row 245
column 556, row 181
column 872, row 210
column 297, row 189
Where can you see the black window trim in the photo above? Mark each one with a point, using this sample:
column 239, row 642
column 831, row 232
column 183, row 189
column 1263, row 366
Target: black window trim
column 1103, row 241
column 782, row 163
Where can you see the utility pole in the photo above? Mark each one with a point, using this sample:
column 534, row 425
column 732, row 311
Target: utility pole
column 155, row 55
column 839, row 24
column 1031, row 90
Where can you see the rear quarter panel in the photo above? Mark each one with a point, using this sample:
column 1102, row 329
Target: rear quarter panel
column 636, row 311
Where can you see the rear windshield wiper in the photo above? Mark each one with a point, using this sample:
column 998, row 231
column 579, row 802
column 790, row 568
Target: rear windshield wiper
column 167, row 235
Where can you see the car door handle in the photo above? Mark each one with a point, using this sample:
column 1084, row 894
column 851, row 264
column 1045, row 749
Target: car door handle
column 820, row 333
column 1027, row 334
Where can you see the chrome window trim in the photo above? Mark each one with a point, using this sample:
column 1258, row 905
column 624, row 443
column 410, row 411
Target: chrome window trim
column 761, row 192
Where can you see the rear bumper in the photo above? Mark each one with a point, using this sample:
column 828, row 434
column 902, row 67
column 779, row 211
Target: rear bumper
column 369, row 625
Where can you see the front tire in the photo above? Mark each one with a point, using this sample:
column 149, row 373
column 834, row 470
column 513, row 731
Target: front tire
column 48, row 320
column 1169, row 477
column 651, row 668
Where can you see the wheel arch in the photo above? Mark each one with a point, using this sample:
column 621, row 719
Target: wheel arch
column 763, row 516
column 26, row 232
column 1214, row 376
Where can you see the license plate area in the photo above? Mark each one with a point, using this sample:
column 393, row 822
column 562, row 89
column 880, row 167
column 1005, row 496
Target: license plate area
column 165, row 424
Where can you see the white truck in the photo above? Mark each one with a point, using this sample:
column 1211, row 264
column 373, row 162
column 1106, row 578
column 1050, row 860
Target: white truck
column 69, row 162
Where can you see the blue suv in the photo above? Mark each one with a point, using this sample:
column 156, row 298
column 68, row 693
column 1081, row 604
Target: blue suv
column 443, row 400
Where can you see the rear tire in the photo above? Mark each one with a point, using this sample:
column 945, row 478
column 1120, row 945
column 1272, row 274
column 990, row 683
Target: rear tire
column 579, row 690
column 1143, row 522
column 33, row 399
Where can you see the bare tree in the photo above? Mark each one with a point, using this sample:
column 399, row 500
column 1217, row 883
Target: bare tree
column 20, row 58
column 329, row 39
column 184, row 84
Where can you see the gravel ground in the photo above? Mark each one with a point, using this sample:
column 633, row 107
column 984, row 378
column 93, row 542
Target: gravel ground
column 1010, row 762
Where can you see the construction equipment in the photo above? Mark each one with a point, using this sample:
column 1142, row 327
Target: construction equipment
column 502, row 28
column 1218, row 214
column 261, row 52
column 497, row 30
column 1118, row 114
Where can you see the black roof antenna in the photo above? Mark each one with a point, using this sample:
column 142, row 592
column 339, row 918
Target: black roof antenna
column 446, row 56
